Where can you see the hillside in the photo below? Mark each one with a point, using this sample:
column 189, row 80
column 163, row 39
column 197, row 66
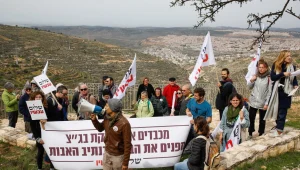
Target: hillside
column 24, row 52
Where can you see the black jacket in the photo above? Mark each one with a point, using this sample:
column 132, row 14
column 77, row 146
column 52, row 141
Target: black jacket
column 226, row 90
column 148, row 88
column 75, row 101
column 53, row 113
column 285, row 101
column 23, row 107
column 160, row 105
column 197, row 157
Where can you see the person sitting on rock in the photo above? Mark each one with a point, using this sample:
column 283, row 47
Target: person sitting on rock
column 234, row 111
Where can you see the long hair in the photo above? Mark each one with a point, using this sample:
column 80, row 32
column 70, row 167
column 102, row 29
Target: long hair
column 202, row 125
column 44, row 100
column 280, row 59
column 240, row 97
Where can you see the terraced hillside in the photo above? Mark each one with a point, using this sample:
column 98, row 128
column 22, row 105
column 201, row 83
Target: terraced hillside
column 24, row 52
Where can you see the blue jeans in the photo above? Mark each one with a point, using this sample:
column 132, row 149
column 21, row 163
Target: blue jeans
column 181, row 165
column 281, row 119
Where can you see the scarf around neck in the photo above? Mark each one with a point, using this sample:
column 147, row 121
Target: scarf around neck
column 263, row 75
column 232, row 114
column 115, row 119
column 288, row 82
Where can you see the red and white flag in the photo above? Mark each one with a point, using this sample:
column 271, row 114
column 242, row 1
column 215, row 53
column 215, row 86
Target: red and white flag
column 206, row 58
column 235, row 135
column 252, row 67
column 128, row 80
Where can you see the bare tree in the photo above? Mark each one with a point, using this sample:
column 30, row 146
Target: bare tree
column 208, row 9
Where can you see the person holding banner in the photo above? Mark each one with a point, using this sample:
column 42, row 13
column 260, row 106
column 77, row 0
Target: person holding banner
column 36, row 129
column 261, row 87
column 234, row 111
column 10, row 100
column 55, row 104
column 198, row 147
column 196, row 107
column 283, row 84
column 169, row 90
column 117, row 136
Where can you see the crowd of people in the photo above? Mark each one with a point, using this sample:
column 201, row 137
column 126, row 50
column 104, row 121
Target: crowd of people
column 269, row 96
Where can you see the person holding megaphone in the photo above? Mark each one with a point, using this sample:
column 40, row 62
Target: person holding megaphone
column 117, row 135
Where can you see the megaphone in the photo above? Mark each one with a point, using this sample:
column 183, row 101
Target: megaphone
column 85, row 106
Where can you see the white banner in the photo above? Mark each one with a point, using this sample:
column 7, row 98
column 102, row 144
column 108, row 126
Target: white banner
column 235, row 135
column 206, row 58
column 156, row 142
column 36, row 109
column 44, row 83
column 252, row 67
column 45, row 68
column 128, row 80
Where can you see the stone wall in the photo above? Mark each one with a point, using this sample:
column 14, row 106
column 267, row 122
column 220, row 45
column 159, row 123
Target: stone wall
column 260, row 147
column 16, row 137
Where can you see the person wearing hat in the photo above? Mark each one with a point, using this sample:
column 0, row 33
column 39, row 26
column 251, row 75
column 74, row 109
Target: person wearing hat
column 34, row 86
column 117, row 136
column 169, row 91
column 10, row 100
column 24, row 109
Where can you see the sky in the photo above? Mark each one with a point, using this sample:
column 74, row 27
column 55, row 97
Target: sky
column 133, row 13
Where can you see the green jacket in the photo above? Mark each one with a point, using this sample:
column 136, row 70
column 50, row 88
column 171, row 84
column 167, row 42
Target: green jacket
column 10, row 101
column 144, row 108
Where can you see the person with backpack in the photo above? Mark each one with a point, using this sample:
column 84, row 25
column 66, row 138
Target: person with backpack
column 55, row 107
column 226, row 88
column 197, row 157
column 159, row 103
column 261, row 87
column 144, row 106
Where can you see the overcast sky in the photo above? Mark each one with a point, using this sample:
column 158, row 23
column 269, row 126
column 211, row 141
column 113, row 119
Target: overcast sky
column 132, row 13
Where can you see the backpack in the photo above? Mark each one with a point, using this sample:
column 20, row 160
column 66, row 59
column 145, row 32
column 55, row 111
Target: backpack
column 212, row 156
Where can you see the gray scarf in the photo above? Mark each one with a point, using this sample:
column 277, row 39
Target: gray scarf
column 288, row 82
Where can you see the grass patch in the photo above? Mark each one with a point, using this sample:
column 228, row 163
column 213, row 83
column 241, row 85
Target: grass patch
column 16, row 158
column 287, row 160
column 293, row 117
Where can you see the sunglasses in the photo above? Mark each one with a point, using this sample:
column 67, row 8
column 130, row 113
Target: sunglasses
column 83, row 89
column 179, row 93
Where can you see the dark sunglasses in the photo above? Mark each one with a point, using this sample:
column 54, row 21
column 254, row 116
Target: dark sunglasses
column 179, row 93
column 83, row 89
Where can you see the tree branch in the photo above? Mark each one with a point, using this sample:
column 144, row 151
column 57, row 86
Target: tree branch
column 207, row 10
column 290, row 11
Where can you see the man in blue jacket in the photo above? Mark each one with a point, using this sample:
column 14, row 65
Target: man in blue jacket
column 23, row 109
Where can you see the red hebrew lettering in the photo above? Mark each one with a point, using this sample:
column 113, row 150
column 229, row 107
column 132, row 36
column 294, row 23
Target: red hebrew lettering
column 229, row 143
column 206, row 58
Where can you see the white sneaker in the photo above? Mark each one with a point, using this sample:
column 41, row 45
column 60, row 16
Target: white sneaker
column 275, row 134
column 273, row 129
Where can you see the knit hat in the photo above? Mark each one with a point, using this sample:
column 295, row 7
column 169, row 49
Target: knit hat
column 27, row 86
column 115, row 105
